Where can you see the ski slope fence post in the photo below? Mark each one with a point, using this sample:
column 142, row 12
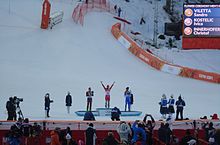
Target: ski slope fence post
column 159, row 64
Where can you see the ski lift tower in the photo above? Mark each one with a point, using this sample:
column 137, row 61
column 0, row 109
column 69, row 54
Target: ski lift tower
column 155, row 23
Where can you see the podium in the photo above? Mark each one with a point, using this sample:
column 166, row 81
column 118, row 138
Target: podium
column 107, row 112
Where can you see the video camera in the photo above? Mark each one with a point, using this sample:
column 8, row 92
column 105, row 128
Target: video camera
column 17, row 100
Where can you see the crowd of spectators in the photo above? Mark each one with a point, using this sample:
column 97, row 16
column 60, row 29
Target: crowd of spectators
column 139, row 132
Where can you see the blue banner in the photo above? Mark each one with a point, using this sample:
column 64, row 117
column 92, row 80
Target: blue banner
column 201, row 20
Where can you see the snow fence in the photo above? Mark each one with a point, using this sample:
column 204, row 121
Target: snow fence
column 96, row 5
column 159, row 64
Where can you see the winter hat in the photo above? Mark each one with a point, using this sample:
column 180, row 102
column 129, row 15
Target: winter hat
column 163, row 96
column 68, row 136
column 214, row 116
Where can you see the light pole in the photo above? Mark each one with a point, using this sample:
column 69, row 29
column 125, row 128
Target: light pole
column 155, row 23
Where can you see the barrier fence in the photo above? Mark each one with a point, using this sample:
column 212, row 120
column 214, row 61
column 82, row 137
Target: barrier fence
column 102, row 128
column 159, row 64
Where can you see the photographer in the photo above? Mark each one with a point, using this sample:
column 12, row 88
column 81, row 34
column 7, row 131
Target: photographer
column 149, row 126
column 89, row 95
column 11, row 108
column 17, row 106
column 47, row 102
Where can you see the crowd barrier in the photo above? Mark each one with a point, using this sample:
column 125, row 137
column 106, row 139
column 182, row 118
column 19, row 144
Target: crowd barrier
column 102, row 128
column 159, row 64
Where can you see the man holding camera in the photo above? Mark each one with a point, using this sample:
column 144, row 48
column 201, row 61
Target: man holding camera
column 89, row 95
column 11, row 108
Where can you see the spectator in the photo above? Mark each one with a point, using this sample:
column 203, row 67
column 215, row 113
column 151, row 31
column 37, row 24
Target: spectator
column 66, row 136
column 115, row 114
column 168, row 133
column 139, row 133
column 119, row 11
column 179, row 108
column 214, row 116
column 12, row 138
column 217, row 136
column 26, row 129
column 163, row 106
column 90, row 135
column 164, row 133
column 188, row 139
column 47, row 102
column 36, row 132
column 69, row 140
column 209, row 130
column 161, row 132
column 89, row 116
column 110, row 139
column 149, row 126
column 115, row 8
column 124, row 132
column 68, row 102
column 55, row 137
column 14, row 135
column 89, row 95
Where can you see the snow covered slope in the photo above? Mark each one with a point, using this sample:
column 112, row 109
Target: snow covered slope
column 72, row 58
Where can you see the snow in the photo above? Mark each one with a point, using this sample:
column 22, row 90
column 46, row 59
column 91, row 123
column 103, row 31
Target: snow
column 72, row 58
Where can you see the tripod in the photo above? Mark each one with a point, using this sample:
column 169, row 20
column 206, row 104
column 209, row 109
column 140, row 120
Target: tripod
column 20, row 114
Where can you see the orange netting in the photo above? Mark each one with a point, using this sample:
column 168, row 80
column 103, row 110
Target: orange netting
column 96, row 5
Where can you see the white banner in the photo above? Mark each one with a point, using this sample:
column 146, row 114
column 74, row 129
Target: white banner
column 171, row 69
column 124, row 42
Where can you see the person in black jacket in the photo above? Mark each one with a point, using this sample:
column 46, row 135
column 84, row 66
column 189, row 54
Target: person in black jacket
column 26, row 129
column 68, row 102
column 11, row 108
column 179, row 108
column 47, row 102
column 89, row 95
column 89, row 116
column 115, row 114
column 149, row 126
column 164, row 133
column 90, row 135
column 110, row 139
column 188, row 139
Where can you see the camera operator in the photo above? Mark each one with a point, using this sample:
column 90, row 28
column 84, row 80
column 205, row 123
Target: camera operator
column 11, row 108
column 89, row 95
column 17, row 106
column 17, row 101
column 47, row 102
